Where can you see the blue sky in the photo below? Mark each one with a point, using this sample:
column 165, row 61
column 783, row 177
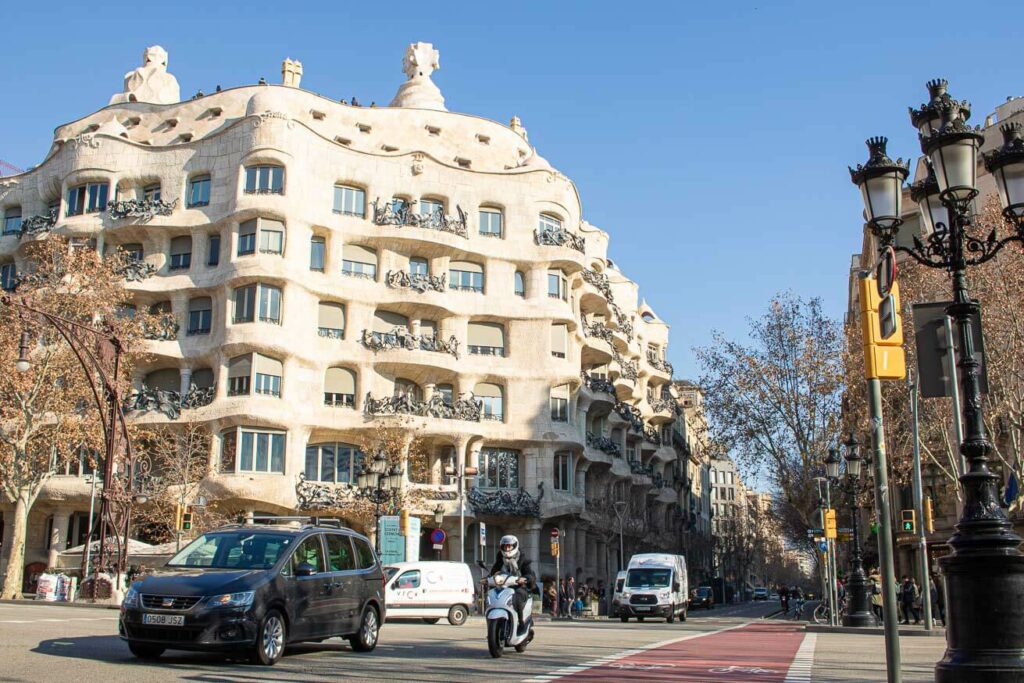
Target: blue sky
column 711, row 140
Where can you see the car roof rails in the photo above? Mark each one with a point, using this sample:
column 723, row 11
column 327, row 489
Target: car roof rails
column 300, row 520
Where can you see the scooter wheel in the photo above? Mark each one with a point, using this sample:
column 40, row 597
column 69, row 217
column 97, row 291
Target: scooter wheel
column 495, row 637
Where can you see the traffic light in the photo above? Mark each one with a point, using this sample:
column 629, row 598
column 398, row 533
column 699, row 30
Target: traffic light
column 830, row 523
column 929, row 522
column 882, row 329
column 403, row 522
column 909, row 521
column 177, row 517
column 186, row 519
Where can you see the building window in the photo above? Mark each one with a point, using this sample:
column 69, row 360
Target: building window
column 349, row 201
column 520, row 286
column 200, row 315
column 317, row 249
column 336, row 463
column 491, row 400
column 558, row 286
column 213, row 250
column 563, row 471
column 266, row 370
column 490, row 222
column 359, row 261
column 432, row 209
column 486, row 339
column 268, row 384
column 499, row 468
column 560, row 403
column 419, row 266
column 559, row 340
column 269, row 304
column 340, row 388
column 12, row 220
column 8, row 276
column 271, row 236
column 181, row 253
column 151, row 193
column 199, row 191
column 549, row 223
column 255, row 450
column 446, row 392
column 331, row 320
column 89, row 198
column 264, row 179
column 465, row 276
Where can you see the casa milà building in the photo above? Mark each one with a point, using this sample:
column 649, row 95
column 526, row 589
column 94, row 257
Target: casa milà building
column 333, row 266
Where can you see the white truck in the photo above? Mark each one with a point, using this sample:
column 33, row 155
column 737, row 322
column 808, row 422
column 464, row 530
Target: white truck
column 656, row 586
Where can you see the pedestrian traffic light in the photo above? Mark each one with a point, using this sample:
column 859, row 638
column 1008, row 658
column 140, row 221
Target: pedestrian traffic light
column 929, row 521
column 186, row 519
column 882, row 329
column 909, row 521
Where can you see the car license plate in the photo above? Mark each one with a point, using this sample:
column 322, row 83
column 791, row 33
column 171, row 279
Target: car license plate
column 642, row 609
column 164, row 619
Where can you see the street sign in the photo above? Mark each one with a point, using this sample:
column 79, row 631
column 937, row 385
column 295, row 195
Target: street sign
column 844, row 536
column 830, row 523
column 816, row 531
column 437, row 537
column 554, row 532
column 483, row 534
column 934, row 376
column 822, row 546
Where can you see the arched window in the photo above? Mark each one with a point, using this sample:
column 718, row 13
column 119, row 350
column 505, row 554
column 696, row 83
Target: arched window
column 563, row 471
column 486, row 339
column 132, row 251
column 558, row 286
column 168, row 379
column 520, row 284
column 349, row 201
column 202, row 378
column 264, row 179
column 490, row 222
column 340, row 387
column 89, row 198
column 491, row 399
column 549, row 223
column 385, row 324
column 267, row 232
column 499, row 468
column 333, row 462
column 317, row 252
column 264, row 371
column 359, row 261
column 199, row 191
column 254, row 449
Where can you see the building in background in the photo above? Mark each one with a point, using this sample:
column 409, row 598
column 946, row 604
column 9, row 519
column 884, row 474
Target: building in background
column 332, row 267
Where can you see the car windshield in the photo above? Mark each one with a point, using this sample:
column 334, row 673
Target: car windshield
column 647, row 578
column 233, row 550
column 703, row 591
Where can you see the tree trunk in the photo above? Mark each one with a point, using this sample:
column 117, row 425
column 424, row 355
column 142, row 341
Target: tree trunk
column 16, row 561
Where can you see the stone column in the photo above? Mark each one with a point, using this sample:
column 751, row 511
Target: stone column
column 581, row 551
column 186, row 381
column 58, row 535
column 530, row 541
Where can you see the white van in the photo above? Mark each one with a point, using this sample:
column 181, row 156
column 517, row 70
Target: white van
column 429, row 591
column 620, row 583
column 656, row 586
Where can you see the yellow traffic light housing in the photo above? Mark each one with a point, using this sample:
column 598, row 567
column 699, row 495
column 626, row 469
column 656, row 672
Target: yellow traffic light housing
column 882, row 330
column 830, row 523
column 909, row 524
column 929, row 515
column 177, row 517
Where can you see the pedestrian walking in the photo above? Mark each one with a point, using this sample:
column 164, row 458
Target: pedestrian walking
column 784, row 598
column 877, row 597
column 938, row 600
column 909, row 595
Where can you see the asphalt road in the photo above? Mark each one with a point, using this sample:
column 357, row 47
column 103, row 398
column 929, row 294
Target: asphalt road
column 47, row 643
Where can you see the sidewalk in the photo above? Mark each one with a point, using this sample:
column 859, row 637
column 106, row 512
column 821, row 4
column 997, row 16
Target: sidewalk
column 846, row 658
column 904, row 630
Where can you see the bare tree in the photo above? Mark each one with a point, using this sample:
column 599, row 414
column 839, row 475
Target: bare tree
column 774, row 402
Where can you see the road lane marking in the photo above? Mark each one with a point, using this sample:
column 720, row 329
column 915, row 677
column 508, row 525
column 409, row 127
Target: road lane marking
column 607, row 660
column 800, row 669
column 39, row 621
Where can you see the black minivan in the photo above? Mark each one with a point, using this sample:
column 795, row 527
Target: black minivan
column 256, row 588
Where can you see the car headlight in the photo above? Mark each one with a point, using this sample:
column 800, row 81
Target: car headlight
column 131, row 599
column 663, row 595
column 233, row 599
column 626, row 593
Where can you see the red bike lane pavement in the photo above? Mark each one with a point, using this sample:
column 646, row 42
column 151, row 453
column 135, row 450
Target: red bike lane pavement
column 754, row 652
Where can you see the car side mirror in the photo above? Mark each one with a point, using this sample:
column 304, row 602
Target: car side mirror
column 305, row 569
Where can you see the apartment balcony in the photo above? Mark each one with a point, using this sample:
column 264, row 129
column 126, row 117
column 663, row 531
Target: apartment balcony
column 404, row 404
column 401, row 214
column 599, row 388
column 401, row 339
column 560, row 238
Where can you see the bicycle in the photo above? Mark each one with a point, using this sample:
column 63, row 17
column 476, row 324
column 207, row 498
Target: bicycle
column 798, row 611
column 822, row 613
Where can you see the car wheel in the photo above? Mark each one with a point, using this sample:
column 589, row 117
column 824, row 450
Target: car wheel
column 457, row 615
column 430, row 620
column 270, row 639
column 145, row 650
column 682, row 617
column 624, row 619
column 365, row 639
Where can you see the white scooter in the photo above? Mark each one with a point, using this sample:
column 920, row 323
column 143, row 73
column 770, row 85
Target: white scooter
column 503, row 628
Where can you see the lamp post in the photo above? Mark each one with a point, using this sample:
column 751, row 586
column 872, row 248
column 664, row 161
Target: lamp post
column 378, row 483
column 858, row 612
column 462, row 473
column 985, row 571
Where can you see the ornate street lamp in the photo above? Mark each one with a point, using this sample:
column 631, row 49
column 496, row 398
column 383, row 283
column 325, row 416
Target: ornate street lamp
column 985, row 571
column 832, row 464
column 378, row 483
column 858, row 611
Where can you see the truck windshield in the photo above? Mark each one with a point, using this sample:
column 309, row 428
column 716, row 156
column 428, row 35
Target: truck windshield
column 648, row 578
column 233, row 550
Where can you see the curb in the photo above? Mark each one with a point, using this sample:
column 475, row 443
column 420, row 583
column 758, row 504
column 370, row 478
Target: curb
column 875, row 630
column 54, row 603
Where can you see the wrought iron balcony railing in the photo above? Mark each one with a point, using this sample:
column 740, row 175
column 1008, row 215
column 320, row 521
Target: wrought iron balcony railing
column 164, row 329
column 630, row 414
column 637, row 467
column 136, row 270
column 658, row 363
column 596, row 383
column 331, row 332
column 169, row 403
column 417, row 282
column 38, row 224
column 559, row 238
column 400, row 214
column 651, row 435
column 603, row 443
column 401, row 338
column 465, row 408
column 142, row 209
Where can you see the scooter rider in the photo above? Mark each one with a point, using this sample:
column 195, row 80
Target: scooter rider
column 510, row 561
